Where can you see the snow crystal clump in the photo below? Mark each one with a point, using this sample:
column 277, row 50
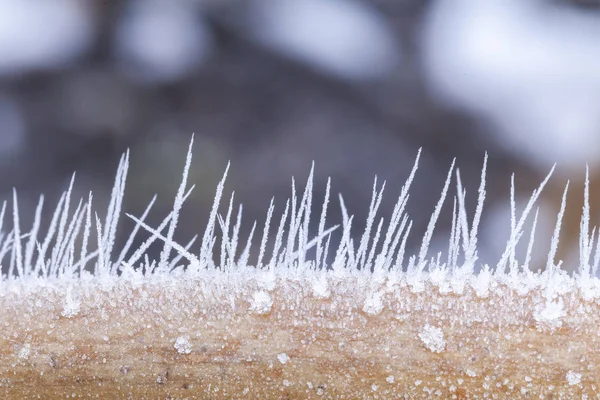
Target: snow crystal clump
column 261, row 302
column 25, row 351
column 551, row 314
column 321, row 287
column 373, row 304
column 433, row 338
column 183, row 345
column 573, row 378
column 283, row 358
column 70, row 308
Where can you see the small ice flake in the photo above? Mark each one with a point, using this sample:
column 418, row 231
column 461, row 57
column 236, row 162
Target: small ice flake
column 283, row 358
column 183, row 345
column 320, row 288
column 551, row 315
column 25, row 351
column 374, row 387
column 481, row 283
column 70, row 309
column 286, row 382
column 261, row 302
column 573, row 378
column 433, row 338
column 390, row 379
column 471, row 373
column 373, row 304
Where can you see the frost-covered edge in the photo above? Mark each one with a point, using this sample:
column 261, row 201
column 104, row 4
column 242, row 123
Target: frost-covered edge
column 57, row 259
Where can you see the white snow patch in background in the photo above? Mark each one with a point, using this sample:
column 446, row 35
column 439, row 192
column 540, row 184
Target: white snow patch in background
column 530, row 68
column 161, row 41
column 183, row 345
column 38, row 35
column 261, row 302
column 573, row 378
column 345, row 38
column 433, row 338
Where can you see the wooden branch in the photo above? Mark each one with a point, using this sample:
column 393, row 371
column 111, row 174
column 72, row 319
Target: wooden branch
column 258, row 335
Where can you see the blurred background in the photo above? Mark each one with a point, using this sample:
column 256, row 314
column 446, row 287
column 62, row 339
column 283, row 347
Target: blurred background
column 357, row 86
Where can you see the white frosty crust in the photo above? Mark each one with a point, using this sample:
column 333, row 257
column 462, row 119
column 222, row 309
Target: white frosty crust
column 374, row 323
column 206, row 336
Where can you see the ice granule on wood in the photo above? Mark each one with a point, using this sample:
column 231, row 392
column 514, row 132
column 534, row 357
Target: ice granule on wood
column 70, row 309
column 25, row 351
column 321, row 287
column 261, row 302
column 551, row 314
column 183, row 345
column 433, row 338
column 283, row 358
column 573, row 378
column 373, row 304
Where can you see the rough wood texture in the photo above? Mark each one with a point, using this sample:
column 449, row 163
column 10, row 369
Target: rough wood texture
column 256, row 335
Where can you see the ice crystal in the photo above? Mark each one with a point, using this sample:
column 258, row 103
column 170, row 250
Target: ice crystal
column 573, row 378
column 183, row 345
column 63, row 253
column 433, row 338
column 261, row 302
column 283, row 358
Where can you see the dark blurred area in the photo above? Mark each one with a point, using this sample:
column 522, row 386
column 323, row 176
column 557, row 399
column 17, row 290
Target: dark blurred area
column 355, row 86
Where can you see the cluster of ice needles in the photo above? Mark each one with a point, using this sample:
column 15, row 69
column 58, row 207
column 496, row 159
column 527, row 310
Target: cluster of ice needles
column 380, row 252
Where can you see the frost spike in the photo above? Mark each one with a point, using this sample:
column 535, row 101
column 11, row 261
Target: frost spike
column 177, row 204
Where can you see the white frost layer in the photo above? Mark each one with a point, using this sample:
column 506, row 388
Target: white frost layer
column 505, row 301
column 378, row 256
column 38, row 35
column 530, row 68
column 344, row 38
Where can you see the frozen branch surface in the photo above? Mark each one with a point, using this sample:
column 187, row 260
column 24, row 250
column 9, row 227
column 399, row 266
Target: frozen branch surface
column 370, row 324
column 303, row 336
